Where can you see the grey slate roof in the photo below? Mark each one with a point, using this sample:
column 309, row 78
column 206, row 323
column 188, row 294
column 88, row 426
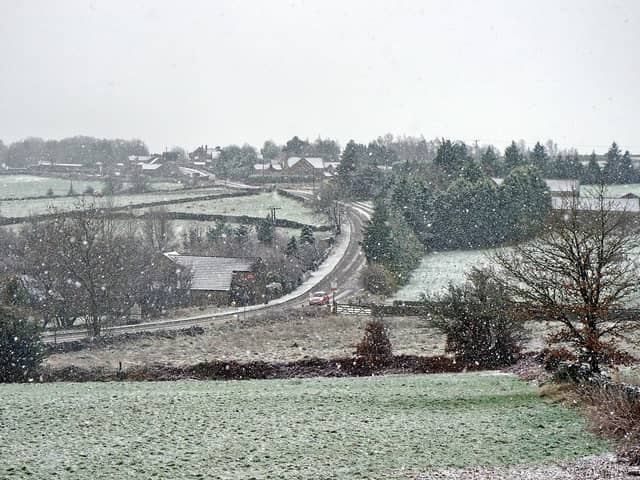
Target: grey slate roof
column 212, row 273
column 629, row 205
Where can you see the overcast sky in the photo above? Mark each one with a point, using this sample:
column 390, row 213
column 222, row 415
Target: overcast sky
column 188, row 73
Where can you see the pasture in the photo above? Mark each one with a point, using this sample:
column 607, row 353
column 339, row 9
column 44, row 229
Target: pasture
column 20, row 186
column 437, row 269
column 20, row 208
column 254, row 206
column 352, row 428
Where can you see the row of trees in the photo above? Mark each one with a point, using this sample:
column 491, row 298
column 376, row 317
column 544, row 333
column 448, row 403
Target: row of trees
column 83, row 150
column 87, row 265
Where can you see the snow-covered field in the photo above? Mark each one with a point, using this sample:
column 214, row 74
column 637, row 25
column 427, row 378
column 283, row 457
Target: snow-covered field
column 437, row 269
column 375, row 427
column 20, row 186
column 254, row 206
column 19, row 208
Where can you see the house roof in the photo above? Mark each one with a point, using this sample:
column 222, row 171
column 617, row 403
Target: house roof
column 554, row 185
column 315, row 162
column 193, row 171
column 150, row 166
column 212, row 273
column 140, row 158
column 629, row 205
column 563, row 185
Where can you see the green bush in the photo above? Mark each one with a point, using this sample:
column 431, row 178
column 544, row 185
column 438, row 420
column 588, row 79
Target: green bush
column 477, row 321
column 375, row 348
column 379, row 280
column 20, row 347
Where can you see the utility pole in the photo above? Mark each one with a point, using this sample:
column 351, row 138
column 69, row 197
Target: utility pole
column 273, row 213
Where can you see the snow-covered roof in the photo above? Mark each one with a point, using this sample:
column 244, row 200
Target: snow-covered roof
column 564, row 186
column 630, row 205
column 212, row 273
column 193, row 172
column 291, row 161
column 315, row 162
column 555, row 186
column 150, row 166
column 140, row 158
column 260, row 166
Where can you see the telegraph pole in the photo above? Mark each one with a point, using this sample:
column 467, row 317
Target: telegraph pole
column 273, row 213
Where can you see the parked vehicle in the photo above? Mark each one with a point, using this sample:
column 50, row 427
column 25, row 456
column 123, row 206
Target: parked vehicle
column 319, row 298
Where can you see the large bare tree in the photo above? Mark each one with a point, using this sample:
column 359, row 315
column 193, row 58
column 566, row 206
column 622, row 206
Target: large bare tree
column 582, row 272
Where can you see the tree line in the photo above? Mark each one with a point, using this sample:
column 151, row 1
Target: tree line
column 87, row 151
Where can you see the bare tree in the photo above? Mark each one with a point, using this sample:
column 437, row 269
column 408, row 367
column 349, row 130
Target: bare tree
column 83, row 265
column 158, row 229
column 582, row 272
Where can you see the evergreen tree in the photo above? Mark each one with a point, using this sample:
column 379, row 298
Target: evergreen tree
column 451, row 157
column 593, row 174
column 292, row 247
column 525, row 203
column 489, row 162
column 71, row 191
column 266, row 231
column 306, row 236
column 627, row 173
column 513, row 157
column 539, row 158
column 377, row 243
column 612, row 169
column 241, row 234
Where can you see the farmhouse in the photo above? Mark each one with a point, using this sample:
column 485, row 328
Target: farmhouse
column 220, row 280
column 558, row 188
column 305, row 166
column 623, row 205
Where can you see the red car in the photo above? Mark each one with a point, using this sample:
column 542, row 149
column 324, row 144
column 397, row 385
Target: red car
column 319, row 298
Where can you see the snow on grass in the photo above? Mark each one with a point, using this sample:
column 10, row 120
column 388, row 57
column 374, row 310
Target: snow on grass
column 254, row 206
column 20, row 208
column 376, row 427
column 437, row 269
column 20, row 186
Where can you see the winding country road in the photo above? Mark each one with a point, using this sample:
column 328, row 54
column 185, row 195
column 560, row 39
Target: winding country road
column 342, row 266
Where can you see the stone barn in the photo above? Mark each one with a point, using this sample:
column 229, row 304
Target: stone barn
column 221, row 280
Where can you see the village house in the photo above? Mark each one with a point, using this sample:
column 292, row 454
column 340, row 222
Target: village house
column 558, row 188
column 222, row 280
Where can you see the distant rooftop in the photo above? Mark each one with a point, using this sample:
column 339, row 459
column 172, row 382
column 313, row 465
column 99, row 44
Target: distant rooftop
column 212, row 273
column 630, row 205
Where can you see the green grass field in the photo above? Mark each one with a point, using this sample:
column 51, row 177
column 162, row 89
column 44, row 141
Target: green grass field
column 356, row 428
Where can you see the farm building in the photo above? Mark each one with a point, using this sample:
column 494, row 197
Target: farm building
column 220, row 280
column 558, row 188
column 625, row 204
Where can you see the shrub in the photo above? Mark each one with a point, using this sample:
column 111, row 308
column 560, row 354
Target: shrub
column 552, row 358
column 20, row 347
column 477, row 321
column 379, row 280
column 375, row 347
column 615, row 412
